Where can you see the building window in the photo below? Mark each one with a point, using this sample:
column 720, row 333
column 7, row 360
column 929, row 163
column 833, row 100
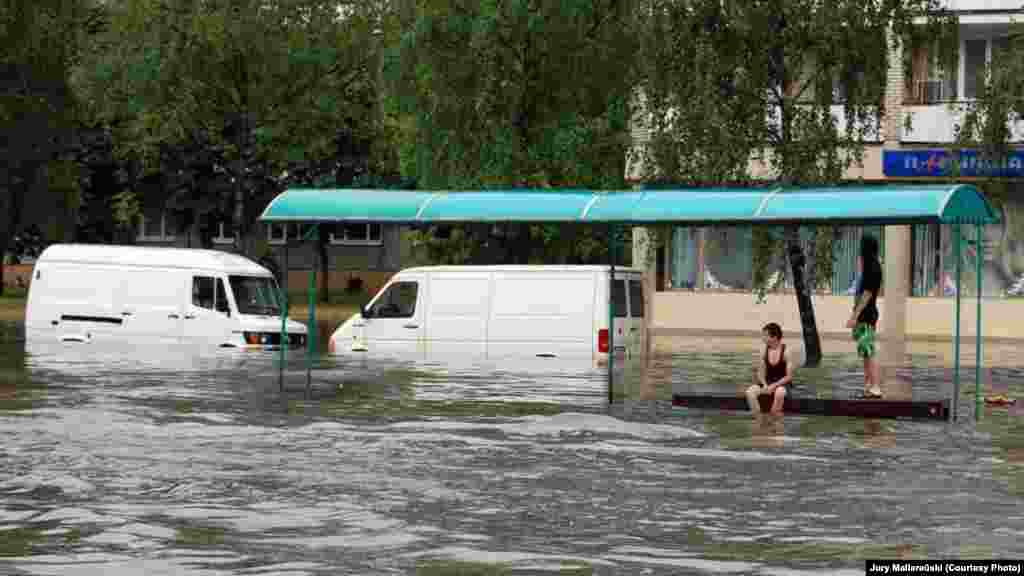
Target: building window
column 926, row 260
column 978, row 53
column 363, row 234
column 724, row 255
column 278, row 234
column 843, row 84
column 225, row 233
column 932, row 82
column 683, row 269
column 728, row 258
column 156, row 228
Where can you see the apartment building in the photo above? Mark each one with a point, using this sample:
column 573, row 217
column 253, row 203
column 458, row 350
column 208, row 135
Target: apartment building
column 703, row 276
column 911, row 144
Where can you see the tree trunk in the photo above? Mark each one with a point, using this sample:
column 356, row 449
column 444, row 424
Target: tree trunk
column 240, row 227
column 3, row 251
column 811, row 259
column 567, row 241
column 521, row 245
column 239, row 211
column 808, row 324
column 18, row 187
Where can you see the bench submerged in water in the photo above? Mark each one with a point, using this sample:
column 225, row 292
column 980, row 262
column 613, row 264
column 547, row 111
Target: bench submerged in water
column 860, row 407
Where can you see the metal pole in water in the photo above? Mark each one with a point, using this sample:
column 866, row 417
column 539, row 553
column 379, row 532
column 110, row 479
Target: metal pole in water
column 284, row 334
column 284, row 307
column 956, row 337
column 311, row 331
column 611, row 312
column 979, row 253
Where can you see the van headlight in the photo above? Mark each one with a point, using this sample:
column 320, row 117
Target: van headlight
column 273, row 339
column 259, row 338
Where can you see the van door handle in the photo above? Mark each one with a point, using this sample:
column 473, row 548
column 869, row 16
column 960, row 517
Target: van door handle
column 175, row 316
column 411, row 326
column 189, row 317
column 126, row 313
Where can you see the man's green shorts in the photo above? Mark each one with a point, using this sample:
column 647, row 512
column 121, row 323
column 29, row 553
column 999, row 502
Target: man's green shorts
column 864, row 336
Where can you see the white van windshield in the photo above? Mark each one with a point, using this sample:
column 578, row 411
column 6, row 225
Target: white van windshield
column 256, row 295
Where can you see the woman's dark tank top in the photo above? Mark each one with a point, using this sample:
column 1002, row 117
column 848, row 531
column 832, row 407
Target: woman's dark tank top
column 775, row 372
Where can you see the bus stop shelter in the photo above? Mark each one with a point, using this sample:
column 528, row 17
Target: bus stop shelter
column 957, row 205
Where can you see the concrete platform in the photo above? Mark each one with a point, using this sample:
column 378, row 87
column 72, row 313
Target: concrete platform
column 863, row 408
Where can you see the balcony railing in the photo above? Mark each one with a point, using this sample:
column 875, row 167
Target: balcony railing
column 931, row 92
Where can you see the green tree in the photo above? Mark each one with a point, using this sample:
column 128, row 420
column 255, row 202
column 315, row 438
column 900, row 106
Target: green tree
column 39, row 43
column 227, row 97
column 731, row 83
column 506, row 94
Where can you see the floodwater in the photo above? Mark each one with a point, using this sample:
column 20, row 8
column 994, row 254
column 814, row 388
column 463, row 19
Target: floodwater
column 167, row 461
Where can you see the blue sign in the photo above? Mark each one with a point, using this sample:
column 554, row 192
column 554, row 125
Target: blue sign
column 935, row 163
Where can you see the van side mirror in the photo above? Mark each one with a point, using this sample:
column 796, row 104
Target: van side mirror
column 365, row 312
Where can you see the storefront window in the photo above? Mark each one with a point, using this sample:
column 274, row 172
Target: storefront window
column 684, row 258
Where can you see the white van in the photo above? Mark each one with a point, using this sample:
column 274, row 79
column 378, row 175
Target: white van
column 498, row 311
column 87, row 292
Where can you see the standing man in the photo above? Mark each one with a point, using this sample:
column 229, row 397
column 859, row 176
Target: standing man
column 864, row 320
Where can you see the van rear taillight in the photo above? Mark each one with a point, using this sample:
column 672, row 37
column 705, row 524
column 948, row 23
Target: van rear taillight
column 602, row 340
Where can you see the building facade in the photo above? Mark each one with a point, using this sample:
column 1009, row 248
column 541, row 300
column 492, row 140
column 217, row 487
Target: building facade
column 913, row 143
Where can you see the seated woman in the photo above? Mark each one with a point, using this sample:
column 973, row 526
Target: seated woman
column 774, row 371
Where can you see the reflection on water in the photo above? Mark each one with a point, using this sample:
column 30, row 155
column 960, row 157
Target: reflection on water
column 181, row 461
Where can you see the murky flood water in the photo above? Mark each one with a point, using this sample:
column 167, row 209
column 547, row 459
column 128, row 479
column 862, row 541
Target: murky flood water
column 172, row 461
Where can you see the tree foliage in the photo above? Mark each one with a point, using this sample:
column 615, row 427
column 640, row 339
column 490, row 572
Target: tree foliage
column 39, row 43
column 221, row 99
column 514, row 93
column 786, row 91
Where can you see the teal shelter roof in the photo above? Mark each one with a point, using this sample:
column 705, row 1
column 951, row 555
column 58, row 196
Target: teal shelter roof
column 883, row 204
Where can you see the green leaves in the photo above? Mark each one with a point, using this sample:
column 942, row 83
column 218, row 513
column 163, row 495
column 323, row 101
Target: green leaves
column 727, row 82
column 238, row 92
column 503, row 93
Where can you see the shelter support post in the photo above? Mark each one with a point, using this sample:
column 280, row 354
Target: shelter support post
column 897, row 290
column 283, row 302
column 284, row 305
column 957, row 240
column 314, row 235
column 611, row 312
column 979, row 254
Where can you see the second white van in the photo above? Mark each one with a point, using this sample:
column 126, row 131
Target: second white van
column 498, row 312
